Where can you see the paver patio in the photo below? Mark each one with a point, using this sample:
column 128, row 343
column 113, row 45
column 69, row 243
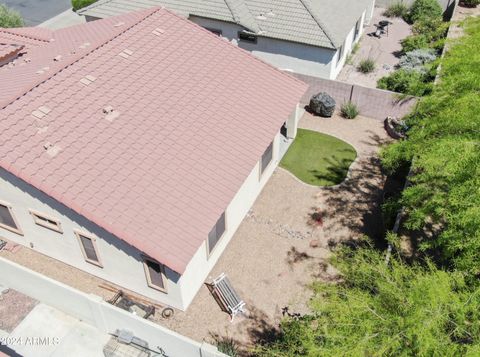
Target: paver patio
column 384, row 51
column 276, row 252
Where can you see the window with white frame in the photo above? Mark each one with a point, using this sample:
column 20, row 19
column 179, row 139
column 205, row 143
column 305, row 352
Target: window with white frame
column 216, row 233
column 89, row 248
column 155, row 274
column 340, row 54
column 46, row 221
column 7, row 219
column 357, row 29
column 266, row 158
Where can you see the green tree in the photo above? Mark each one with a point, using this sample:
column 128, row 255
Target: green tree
column 384, row 310
column 9, row 17
column 444, row 145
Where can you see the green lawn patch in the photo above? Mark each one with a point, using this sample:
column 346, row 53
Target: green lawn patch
column 318, row 159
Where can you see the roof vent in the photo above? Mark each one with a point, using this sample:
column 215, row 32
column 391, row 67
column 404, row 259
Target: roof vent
column 158, row 31
column 85, row 45
column 261, row 17
column 126, row 53
column 88, row 79
column 41, row 112
column 118, row 24
column 111, row 114
column 52, row 150
column 57, row 58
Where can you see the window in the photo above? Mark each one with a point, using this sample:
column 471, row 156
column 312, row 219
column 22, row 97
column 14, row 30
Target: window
column 7, row 219
column 340, row 54
column 266, row 158
column 47, row 222
column 89, row 248
column 357, row 29
column 214, row 31
column 155, row 273
column 247, row 37
column 216, row 233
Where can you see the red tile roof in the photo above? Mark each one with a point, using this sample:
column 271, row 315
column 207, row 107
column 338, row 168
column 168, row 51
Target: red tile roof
column 189, row 117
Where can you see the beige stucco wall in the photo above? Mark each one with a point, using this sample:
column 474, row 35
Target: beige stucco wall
column 200, row 266
column 122, row 263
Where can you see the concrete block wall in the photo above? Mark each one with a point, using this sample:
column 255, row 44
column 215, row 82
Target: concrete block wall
column 98, row 313
column 373, row 103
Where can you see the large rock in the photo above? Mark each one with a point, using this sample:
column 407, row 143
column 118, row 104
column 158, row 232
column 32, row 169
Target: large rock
column 322, row 104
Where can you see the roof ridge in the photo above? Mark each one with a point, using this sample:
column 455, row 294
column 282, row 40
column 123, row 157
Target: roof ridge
column 7, row 30
column 317, row 19
column 248, row 22
column 50, row 75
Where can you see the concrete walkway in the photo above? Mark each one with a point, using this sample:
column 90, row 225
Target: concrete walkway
column 47, row 332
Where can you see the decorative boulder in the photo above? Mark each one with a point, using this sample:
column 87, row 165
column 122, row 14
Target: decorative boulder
column 322, row 104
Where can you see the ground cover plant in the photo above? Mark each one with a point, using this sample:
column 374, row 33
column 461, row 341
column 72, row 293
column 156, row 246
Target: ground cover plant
column 379, row 309
column 444, row 146
column 318, row 159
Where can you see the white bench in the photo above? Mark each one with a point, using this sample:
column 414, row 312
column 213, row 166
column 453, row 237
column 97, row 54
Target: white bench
column 227, row 296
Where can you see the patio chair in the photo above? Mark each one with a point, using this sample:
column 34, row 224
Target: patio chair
column 226, row 296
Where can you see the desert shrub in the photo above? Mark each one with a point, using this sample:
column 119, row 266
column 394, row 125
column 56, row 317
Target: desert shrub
column 406, row 82
column 414, row 42
column 366, row 65
column 9, row 17
column 422, row 9
column 433, row 29
column 417, row 59
column 398, row 9
column 227, row 346
column 470, row 3
column 79, row 4
column 349, row 110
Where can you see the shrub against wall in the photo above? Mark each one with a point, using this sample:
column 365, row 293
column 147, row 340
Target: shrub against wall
column 423, row 9
column 9, row 17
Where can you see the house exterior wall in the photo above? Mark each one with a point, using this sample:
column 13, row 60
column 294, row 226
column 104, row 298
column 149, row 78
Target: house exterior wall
column 348, row 44
column 122, row 263
column 285, row 55
column 200, row 266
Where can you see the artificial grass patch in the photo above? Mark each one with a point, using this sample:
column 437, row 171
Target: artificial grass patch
column 318, row 159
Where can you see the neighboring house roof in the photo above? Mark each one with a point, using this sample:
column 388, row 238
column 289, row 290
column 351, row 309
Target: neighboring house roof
column 322, row 23
column 190, row 116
